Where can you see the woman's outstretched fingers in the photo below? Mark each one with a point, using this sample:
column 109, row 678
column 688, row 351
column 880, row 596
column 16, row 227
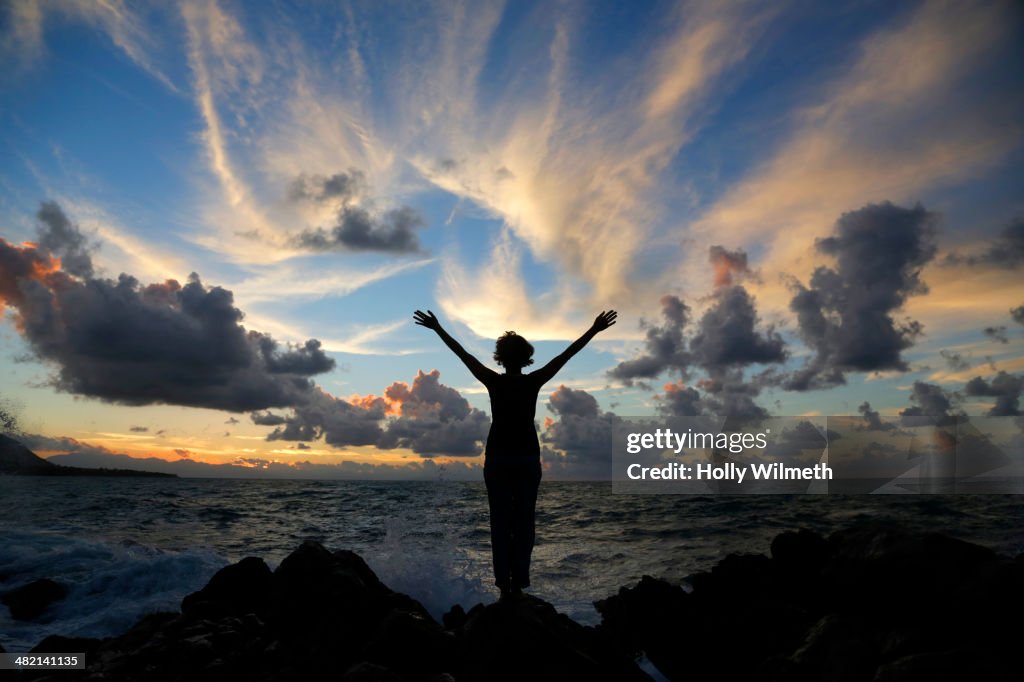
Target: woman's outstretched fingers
column 605, row 319
column 426, row 319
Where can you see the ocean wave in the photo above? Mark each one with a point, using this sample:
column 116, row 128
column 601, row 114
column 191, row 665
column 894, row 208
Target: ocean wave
column 110, row 585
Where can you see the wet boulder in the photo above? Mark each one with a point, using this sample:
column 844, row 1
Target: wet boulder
column 30, row 601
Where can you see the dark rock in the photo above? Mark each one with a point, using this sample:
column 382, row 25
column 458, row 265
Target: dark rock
column 902, row 642
column 454, row 618
column 885, row 563
column 526, row 638
column 820, row 638
column 943, row 666
column 801, row 551
column 327, row 608
column 370, row 672
column 798, row 559
column 336, row 589
column 29, row 601
column 871, row 598
column 650, row 617
column 985, row 599
column 425, row 646
column 779, row 669
column 236, row 589
column 832, row 650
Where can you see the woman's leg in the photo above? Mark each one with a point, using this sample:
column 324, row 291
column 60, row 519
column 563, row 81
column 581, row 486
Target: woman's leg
column 499, row 499
column 524, row 508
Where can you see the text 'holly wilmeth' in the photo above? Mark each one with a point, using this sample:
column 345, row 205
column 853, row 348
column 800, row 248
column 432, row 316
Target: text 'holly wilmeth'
column 818, row 455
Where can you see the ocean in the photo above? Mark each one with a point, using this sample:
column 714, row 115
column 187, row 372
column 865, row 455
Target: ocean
column 130, row 546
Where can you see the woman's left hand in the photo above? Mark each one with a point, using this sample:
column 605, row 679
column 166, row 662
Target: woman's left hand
column 605, row 320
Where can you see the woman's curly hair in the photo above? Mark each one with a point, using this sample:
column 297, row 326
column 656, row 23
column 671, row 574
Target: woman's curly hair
column 512, row 350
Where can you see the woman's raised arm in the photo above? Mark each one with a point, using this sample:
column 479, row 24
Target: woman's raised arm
column 601, row 322
column 429, row 320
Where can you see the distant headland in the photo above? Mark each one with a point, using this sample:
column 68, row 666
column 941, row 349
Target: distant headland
column 18, row 460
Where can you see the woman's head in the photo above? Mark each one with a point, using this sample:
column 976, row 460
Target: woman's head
column 513, row 351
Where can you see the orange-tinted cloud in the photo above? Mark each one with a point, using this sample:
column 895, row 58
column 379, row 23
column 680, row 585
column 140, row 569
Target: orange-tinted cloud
column 25, row 262
column 727, row 265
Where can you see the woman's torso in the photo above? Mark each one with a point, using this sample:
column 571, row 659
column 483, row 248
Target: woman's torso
column 513, row 434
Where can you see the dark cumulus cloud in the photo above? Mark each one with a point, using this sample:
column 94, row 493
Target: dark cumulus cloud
column 727, row 392
column 872, row 419
column 427, row 417
column 340, row 187
column 731, row 393
column 1018, row 314
column 434, row 419
column 139, row 429
column 680, row 400
column 355, row 227
column 1005, row 388
column 955, row 361
column 928, row 400
column 338, row 421
column 124, row 342
column 267, row 419
column 727, row 339
column 1006, row 251
column 567, row 401
column 727, row 334
column 997, row 333
column 62, row 238
column 846, row 314
column 357, row 230
column 664, row 345
column 579, row 443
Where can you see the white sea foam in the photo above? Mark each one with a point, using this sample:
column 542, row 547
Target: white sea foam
column 422, row 559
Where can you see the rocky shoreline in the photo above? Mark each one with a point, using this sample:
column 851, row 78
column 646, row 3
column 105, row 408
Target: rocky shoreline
column 872, row 602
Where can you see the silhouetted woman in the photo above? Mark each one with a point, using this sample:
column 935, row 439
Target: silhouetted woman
column 512, row 456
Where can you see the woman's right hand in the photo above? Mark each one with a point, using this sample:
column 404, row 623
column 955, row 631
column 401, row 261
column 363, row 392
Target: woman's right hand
column 426, row 319
column 604, row 320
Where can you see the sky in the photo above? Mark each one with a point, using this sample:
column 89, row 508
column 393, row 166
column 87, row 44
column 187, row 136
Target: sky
column 218, row 217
